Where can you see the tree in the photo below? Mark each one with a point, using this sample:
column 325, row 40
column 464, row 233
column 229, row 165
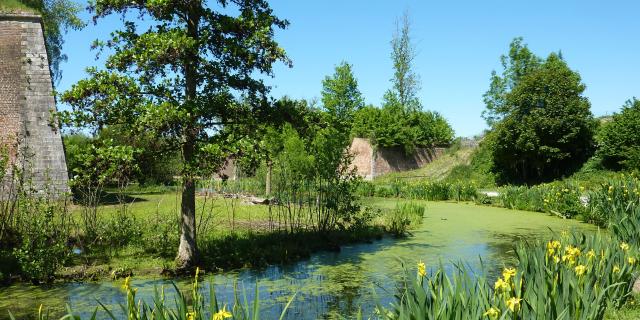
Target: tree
column 341, row 99
column 519, row 62
column 547, row 127
column 57, row 16
column 406, row 82
column 619, row 140
column 177, row 78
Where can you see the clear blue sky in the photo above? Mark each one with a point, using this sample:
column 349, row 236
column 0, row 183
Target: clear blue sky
column 458, row 42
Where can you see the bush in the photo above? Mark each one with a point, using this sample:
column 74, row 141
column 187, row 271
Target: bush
column 619, row 140
column 42, row 247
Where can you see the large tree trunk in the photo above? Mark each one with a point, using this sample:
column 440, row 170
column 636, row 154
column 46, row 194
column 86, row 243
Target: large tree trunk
column 187, row 250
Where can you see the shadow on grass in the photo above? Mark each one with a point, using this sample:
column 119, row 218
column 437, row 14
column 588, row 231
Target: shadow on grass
column 109, row 198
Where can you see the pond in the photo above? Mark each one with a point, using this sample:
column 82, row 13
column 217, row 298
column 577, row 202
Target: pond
column 332, row 283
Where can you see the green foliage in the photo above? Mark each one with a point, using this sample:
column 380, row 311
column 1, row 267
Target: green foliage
column 421, row 190
column 341, row 98
column 176, row 78
column 74, row 146
column 404, row 216
column 561, row 199
column 574, row 277
column 392, row 127
column 546, row 127
column 519, row 62
column 478, row 169
column 35, row 228
column 613, row 199
column 186, row 305
column 619, row 139
column 156, row 158
column 42, row 247
column 406, row 82
column 401, row 121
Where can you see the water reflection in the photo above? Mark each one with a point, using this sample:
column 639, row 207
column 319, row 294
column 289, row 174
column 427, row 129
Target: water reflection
column 330, row 284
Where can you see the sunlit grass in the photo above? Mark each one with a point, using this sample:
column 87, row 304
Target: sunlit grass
column 15, row 6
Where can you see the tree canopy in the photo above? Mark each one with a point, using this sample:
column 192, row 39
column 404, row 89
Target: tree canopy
column 542, row 124
column 619, row 139
column 181, row 78
column 401, row 122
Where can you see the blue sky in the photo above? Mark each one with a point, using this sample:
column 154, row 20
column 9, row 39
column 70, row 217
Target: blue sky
column 458, row 43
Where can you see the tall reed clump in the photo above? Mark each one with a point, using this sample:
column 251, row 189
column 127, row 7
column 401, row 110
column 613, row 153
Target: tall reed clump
column 571, row 277
column 404, row 216
column 431, row 191
column 561, row 199
column 613, row 198
column 185, row 306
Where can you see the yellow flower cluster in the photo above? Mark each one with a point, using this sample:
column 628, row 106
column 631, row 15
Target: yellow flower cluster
column 571, row 254
column 502, row 287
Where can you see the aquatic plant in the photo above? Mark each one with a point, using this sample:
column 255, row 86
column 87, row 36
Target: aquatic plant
column 570, row 277
column 614, row 197
column 186, row 306
column 422, row 190
column 405, row 215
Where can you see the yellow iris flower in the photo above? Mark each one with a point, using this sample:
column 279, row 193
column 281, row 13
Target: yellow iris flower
column 222, row 314
column 422, row 269
column 501, row 285
column 513, row 303
column 492, row 313
column 508, row 273
column 580, row 270
column 624, row 246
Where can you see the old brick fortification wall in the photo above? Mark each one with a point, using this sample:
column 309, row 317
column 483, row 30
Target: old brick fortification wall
column 371, row 162
column 26, row 103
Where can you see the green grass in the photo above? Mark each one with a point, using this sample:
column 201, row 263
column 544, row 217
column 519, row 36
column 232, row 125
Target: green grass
column 15, row 6
column 631, row 311
column 434, row 171
column 237, row 234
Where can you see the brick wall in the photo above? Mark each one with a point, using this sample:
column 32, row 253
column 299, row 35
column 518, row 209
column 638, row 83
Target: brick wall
column 371, row 162
column 26, row 103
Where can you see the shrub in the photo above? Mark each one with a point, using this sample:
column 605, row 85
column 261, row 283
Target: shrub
column 400, row 219
column 619, row 140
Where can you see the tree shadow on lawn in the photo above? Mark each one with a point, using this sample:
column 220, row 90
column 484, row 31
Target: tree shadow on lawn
column 110, row 198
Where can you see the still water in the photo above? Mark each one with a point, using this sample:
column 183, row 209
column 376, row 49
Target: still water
column 331, row 283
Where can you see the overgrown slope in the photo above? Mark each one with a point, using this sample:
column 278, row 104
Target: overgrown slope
column 437, row 170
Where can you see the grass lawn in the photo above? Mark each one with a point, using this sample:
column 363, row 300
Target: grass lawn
column 15, row 6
